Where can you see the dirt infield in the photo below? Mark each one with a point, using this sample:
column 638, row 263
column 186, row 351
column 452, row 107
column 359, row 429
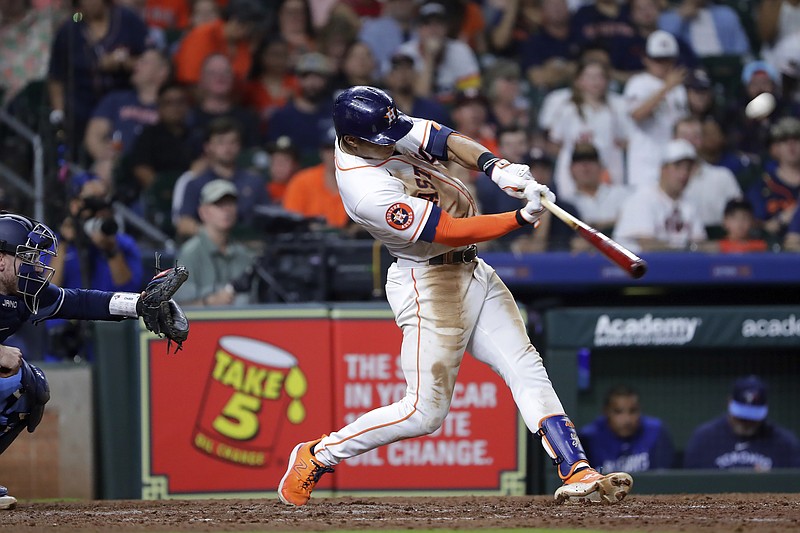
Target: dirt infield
column 703, row 513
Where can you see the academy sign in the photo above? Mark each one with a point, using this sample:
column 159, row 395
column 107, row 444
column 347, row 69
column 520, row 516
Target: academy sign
column 771, row 328
column 645, row 331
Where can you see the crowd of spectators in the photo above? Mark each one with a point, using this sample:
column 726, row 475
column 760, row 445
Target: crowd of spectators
column 632, row 111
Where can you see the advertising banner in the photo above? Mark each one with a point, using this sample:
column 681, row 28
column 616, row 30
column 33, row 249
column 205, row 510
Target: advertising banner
column 222, row 415
column 479, row 448
column 674, row 326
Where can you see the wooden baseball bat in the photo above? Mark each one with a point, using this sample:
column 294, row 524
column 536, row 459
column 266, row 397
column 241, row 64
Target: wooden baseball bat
column 624, row 258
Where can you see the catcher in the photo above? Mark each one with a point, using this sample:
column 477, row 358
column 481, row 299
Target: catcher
column 27, row 294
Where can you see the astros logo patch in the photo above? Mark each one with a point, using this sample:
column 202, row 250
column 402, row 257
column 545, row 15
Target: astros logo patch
column 400, row 216
column 391, row 114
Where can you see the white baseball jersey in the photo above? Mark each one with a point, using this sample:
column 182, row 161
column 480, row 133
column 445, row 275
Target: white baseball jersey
column 442, row 310
column 647, row 137
column 709, row 189
column 650, row 213
column 392, row 199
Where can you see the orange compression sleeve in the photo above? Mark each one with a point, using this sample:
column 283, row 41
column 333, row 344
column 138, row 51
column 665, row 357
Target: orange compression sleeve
column 464, row 231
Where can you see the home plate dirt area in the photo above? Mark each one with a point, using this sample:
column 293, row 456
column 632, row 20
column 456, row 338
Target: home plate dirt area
column 763, row 513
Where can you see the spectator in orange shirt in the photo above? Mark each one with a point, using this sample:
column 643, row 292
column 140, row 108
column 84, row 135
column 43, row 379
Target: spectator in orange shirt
column 313, row 192
column 231, row 36
column 739, row 224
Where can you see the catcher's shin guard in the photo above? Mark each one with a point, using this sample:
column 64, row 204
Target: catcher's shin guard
column 560, row 441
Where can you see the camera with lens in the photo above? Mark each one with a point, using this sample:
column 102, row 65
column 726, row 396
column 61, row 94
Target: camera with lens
column 98, row 216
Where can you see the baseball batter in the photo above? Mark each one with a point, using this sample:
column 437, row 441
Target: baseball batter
column 445, row 299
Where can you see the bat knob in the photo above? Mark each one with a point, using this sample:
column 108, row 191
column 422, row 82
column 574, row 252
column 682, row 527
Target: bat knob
column 638, row 269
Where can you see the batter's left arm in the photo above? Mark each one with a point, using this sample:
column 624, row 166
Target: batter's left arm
column 464, row 150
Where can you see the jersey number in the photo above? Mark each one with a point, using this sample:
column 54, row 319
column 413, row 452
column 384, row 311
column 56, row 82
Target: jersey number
column 424, row 179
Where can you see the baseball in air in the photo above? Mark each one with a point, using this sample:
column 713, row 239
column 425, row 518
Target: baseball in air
column 77, row 17
column 760, row 106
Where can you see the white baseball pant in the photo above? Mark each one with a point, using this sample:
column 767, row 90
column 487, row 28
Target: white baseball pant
column 444, row 310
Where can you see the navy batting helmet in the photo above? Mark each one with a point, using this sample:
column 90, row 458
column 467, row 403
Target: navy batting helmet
column 369, row 114
column 29, row 241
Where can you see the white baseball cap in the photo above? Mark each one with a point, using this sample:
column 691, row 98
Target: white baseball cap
column 678, row 150
column 661, row 44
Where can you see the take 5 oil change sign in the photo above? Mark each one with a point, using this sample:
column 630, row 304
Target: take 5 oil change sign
column 223, row 415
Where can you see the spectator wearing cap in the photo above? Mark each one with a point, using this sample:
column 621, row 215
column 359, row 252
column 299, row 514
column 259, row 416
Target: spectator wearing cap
column 699, row 94
column 740, row 229
column 444, row 66
column 216, row 98
column 399, row 82
column 656, row 99
column 231, row 36
column 272, row 80
column 775, row 195
column 217, row 263
column 710, row 187
column 313, row 191
column 385, row 34
column 221, row 152
column 628, row 53
column 594, row 115
column 160, row 155
column 598, row 202
column 743, row 438
column 659, row 217
column 711, row 29
column 283, row 164
column 307, row 115
column 549, row 57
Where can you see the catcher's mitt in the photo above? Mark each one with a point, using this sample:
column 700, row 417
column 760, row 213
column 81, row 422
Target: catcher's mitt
column 160, row 313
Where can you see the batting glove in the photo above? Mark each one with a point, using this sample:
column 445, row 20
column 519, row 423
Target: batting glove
column 512, row 177
column 535, row 190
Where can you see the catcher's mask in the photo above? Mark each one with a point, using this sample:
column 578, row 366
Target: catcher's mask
column 29, row 241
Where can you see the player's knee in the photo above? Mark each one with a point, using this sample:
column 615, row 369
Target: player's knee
column 431, row 418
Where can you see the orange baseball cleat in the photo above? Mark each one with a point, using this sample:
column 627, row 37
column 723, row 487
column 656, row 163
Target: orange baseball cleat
column 302, row 475
column 590, row 485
